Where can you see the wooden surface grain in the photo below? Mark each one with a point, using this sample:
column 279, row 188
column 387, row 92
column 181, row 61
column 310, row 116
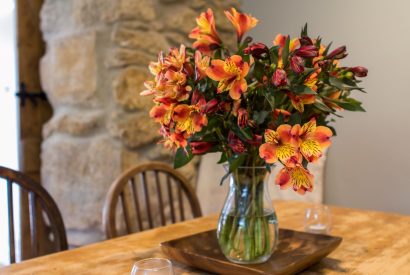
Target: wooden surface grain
column 373, row 243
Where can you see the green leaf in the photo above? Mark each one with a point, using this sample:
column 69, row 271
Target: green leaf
column 224, row 178
column 327, row 49
column 243, row 133
column 344, row 84
column 305, row 163
column 285, row 52
column 323, row 107
column 260, row 117
column 295, row 119
column 303, row 90
column 349, row 104
column 304, row 31
column 182, row 157
column 270, row 99
column 235, row 161
column 223, row 158
column 258, row 70
column 273, row 53
column 336, row 82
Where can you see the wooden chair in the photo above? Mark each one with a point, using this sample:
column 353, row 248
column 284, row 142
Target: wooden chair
column 139, row 188
column 41, row 209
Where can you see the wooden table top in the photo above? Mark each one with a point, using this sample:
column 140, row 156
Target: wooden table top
column 373, row 243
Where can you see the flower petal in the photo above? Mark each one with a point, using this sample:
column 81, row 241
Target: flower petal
column 284, row 132
column 238, row 88
column 322, row 135
column 267, row 151
column 311, row 150
column 216, row 70
column 285, row 152
column 283, row 179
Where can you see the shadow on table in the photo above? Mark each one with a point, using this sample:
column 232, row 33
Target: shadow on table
column 324, row 266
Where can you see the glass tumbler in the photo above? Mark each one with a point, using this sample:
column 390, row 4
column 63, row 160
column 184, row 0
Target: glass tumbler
column 153, row 266
column 318, row 219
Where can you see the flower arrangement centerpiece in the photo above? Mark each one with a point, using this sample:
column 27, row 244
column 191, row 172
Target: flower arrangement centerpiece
column 259, row 105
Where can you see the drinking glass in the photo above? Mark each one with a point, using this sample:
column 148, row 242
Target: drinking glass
column 318, row 219
column 153, row 266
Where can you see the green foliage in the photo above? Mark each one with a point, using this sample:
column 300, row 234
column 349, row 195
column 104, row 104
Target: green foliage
column 182, row 157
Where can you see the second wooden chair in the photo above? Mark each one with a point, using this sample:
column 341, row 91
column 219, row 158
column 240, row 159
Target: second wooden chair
column 151, row 195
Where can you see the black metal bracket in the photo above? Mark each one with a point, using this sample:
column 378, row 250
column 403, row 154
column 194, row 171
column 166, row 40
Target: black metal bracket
column 32, row 96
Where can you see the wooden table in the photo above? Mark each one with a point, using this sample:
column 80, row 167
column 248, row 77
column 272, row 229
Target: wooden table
column 373, row 243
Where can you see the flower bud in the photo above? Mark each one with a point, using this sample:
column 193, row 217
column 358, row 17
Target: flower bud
column 256, row 50
column 296, row 63
column 235, row 143
column 305, row 40
column 307, row 51
column 338, row 53
column 200, row 147
column 242, row 117
column 211, row 106
column 279, row 78
column 359, row 71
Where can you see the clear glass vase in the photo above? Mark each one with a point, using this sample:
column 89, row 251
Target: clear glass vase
column 248, row 227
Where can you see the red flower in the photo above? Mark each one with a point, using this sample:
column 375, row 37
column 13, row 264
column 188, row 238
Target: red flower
column 307, row 51
column 235, row 143
column 256, row 50
column 359, row 71
column 338, row 53
column 242, row 117
column 279, row 78
column 296, row 63
column 200, row 147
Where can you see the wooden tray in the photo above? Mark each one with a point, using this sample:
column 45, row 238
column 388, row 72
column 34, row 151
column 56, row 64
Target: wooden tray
column 295, row 252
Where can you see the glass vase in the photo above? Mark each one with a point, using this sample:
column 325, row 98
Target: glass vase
column 248, row 227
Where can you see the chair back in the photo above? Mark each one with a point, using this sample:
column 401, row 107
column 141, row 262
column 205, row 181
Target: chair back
column 150, row 195
column 44, row 219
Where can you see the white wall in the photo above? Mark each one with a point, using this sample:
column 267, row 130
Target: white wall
column 369, row 165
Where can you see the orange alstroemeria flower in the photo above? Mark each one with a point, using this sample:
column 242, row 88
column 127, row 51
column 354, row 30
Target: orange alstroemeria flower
column 241, row 21
column 205, row 33
column 176, row 58
column 174, row 141
column 278, row 146
column 201, row 65
column 311, row 80
column 189, row 118
column 311, row 139
column 298, row 177
column 231, row 75
column 162, row 113
column 299, row 101
column 333, row 96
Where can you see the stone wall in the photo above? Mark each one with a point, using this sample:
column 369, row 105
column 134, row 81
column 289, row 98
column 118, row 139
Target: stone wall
column 93, row 71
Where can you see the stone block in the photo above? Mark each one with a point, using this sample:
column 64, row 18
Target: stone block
column 78, row 123
column 121, row 57
column 149, row 41
column 78, row 172
column 131, row 9
column 54, row 17
column 91, row 13
column 181, row 19
column 69, row 70
column 175, row 39
column 127, row 88
column 134, row 130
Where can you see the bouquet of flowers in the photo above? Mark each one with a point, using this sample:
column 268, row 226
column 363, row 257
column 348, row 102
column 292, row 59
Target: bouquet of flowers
column 258, row 105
